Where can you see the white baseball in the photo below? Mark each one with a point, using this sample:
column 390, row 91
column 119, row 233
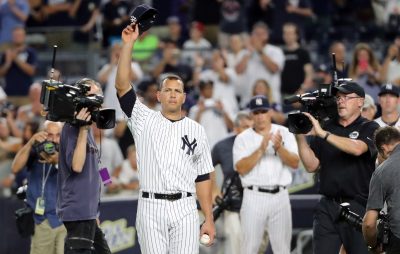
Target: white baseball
column 205, row 239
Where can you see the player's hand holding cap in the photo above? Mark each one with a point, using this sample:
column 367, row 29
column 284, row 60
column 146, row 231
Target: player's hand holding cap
column 144, row 16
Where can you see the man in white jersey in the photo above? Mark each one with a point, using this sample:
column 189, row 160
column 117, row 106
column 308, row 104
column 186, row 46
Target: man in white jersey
column 261, row 156
column 389, row 102
column 174, row 162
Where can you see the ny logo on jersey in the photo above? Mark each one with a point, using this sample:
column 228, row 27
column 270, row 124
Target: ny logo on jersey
column 191, row 146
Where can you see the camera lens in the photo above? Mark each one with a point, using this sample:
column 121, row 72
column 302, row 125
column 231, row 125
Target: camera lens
column 299, row 123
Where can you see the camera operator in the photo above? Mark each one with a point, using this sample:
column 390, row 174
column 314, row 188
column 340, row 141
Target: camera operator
column 42, row 185
column 79, row 183
column 343, row 155
column 384, row 187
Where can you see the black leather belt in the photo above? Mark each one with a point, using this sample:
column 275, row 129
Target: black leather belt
column 170, row 197
column 276, row 189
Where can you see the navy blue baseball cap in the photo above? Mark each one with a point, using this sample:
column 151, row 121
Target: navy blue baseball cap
column 144, row 16
column 389, row 89
column 259, row 102
column 349, row 87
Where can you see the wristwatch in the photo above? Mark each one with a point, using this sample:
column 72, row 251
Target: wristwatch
column 372, row 248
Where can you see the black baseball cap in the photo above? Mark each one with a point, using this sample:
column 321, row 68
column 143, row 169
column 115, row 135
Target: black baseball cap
column 259, row 102
column 349, row 87
column 144, row 16
column 389, row 89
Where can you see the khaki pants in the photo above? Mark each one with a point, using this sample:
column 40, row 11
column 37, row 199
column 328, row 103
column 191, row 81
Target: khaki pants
column 47, row 240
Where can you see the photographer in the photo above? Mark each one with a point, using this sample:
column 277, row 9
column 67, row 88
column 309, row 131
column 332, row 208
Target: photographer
column 41, row 160
column 384, row 187
column 79, row 183
column 343, row 155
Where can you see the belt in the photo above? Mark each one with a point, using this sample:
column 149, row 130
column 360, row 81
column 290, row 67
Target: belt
column 169, row 197
column 274, row 190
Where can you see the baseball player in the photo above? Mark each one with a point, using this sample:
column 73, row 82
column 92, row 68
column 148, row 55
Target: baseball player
column 174, row 162
column 261, row 156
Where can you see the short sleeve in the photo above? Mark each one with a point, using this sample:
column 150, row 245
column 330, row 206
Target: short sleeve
column 239, row 150
column 367, row 135
column 376, row 194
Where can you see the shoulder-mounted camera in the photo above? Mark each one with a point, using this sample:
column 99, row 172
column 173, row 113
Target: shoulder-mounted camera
column 62, row 101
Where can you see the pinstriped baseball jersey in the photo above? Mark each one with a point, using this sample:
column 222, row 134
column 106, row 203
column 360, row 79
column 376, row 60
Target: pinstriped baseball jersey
column 170, row 154
column 270, row 170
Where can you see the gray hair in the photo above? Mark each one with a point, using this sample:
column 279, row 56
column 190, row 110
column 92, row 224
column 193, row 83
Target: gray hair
column 240, row 116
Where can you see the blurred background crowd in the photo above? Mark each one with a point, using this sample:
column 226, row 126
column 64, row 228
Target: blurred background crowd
column 226, row 51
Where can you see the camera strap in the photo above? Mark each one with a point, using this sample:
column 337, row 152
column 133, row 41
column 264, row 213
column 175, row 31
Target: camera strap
column 45, row 177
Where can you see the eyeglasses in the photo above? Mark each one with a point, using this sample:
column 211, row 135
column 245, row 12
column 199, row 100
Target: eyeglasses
column 259, row 112
column 345, row 98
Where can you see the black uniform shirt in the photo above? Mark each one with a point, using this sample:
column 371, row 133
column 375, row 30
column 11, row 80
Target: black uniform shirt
column 341, row 174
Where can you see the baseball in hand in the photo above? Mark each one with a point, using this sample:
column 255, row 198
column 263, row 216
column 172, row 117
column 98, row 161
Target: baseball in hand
column 205, row 239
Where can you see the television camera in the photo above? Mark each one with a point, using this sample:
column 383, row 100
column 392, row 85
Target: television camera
column 62, row 101
column 320, row 103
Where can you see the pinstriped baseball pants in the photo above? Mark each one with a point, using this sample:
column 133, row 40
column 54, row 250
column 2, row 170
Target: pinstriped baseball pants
column 168, row 226
column 262, row 211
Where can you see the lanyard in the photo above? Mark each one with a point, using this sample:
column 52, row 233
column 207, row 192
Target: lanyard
column 44, row 178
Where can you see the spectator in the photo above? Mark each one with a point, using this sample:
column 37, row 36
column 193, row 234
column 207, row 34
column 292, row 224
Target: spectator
column 369, row 109
column 364, row 69
column 18, row 66
column 175, row 31
column 224, row 79
column 32, row 111
column 150, row 96
column 171, row 63
column 211, row 114
column 197, row 45
column 85, row 14
column 260, row 11
column 390, row 71
column 234, row 56
column 111, row 155
column 298, row 12
column 106, row 76
column 13, row 13
column 56, row 12
column 264, row 61
column 298, row 70
column 8, row 149
column 339, row 49
column 115, row 18
column 126, row 177
column 232, row 21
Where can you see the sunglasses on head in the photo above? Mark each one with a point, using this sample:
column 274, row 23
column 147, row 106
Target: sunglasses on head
column 261, row 111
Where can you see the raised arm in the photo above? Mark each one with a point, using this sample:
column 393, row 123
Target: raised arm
column 122, row 81
column 21, row 158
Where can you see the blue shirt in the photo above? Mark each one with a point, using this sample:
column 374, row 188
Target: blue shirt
column 35, row 181
column 78, row 193
column 17, row 81
column 8, row 20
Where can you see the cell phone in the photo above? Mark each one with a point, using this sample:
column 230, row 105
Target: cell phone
column 363, row 64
